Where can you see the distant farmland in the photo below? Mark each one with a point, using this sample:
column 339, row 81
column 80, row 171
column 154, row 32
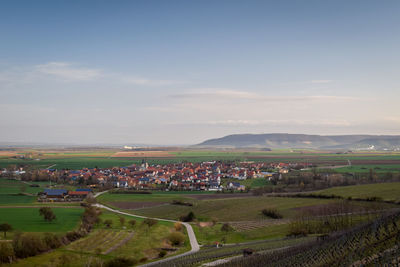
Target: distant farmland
column 116, row 158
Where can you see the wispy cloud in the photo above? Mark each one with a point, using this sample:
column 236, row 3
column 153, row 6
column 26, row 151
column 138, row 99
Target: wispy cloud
column 68, row 71
column 232, row 94
column 233, row 122
column 147, row 82
column 321, row 81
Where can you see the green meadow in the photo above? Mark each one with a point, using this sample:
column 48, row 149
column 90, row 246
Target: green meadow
column 29, row 220
column 386, row 191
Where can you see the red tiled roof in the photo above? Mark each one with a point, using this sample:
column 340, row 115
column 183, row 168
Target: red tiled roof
column 78, row 192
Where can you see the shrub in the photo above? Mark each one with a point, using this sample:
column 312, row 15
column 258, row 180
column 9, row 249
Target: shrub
column 132, row 222
column 226, row 227
column 120, row 262
column 176, row 238
column 188, row 218
column 162, row 253
column 272, row 213
column 27, row 245
column 122, row 220
column 178, row 226
column 74, row 235
column 108, row 223
column 51, row 240
column 6, row 252
column 150, row 222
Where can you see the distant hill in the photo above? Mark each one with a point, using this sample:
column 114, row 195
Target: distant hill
column 283, row 140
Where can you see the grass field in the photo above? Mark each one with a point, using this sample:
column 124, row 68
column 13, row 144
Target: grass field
column 386, row 191
column 232, row 209
column 381, row 168
column 29, row 220
column 209, row 235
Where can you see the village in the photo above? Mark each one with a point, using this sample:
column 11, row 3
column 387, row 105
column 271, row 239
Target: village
column 203, row 176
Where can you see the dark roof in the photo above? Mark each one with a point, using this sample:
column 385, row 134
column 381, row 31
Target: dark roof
column 55, row 192
column 84, row 189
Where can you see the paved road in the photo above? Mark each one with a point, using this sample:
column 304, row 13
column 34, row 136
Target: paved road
column 192, row 237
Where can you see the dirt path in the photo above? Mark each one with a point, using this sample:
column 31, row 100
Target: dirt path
column 123, row 242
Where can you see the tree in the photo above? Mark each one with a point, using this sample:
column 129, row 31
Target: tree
column 150, row 222
column 226, row 227
column 122, row 220
column 47, row 214
column 5, row 227
column 132, row 222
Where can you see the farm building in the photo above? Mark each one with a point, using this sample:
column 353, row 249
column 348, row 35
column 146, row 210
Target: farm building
column 53, row 194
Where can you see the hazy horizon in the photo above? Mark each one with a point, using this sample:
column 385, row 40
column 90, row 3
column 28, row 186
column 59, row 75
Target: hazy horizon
column 178, row 72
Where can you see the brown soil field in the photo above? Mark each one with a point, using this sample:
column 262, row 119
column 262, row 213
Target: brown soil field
column 141, row 154
column 7, row 153
column 137, row 205
column 219, row 196
column 374, row 162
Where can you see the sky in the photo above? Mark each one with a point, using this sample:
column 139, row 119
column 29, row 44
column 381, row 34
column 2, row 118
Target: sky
column 180, row 72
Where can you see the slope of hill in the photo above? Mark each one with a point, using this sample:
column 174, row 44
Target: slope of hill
column 283, row 140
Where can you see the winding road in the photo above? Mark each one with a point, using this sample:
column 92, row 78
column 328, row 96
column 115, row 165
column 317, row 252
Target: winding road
column 192, row 237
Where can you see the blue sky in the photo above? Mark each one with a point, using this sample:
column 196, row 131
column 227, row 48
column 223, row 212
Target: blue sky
column 179, row 72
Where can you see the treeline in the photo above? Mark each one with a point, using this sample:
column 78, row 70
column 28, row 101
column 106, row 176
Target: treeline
column 26, row 245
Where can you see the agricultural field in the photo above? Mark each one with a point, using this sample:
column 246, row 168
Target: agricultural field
column 244, row 232
column 29, row 220
column 381, row 168
column 17, row 192
column 235, row 208
column 385, row 191
column 69, row 159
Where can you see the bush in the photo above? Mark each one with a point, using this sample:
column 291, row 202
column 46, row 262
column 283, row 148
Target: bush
column 108, row 223
column 162, row 253
column 272, row 213
column 6, row 252
column 120, row 262
column 226, row 227
column 132, row 222
column 150, row 222
column 178, row 226
column 74, row 235
column 188, row 218
column 27, row 245
column 176, row 238
column 51, row 240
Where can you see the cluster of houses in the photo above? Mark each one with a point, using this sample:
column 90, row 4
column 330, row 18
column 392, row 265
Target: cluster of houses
column 57, row 195
column 175, row 176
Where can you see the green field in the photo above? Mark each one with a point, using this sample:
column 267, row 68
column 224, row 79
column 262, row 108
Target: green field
column 15, row 187
column 386, row 191
column 29, row 220
column 102, row 159
column 382, row 168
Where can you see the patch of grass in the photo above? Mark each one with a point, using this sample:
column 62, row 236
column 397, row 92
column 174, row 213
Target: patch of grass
column 234, row 209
